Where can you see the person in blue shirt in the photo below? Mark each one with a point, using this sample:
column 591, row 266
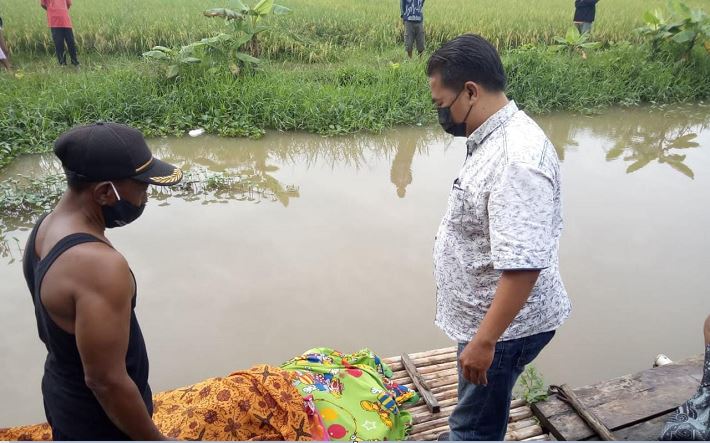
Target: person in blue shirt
column 584, row 14
column 413, row 18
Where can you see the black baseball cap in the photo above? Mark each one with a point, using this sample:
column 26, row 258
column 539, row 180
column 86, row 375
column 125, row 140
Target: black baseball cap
column 112, row 151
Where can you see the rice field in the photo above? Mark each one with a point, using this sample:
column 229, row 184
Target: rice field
column 317, row 30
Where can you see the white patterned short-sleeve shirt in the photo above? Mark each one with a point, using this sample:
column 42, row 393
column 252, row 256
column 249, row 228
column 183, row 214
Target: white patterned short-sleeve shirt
column 504, row 213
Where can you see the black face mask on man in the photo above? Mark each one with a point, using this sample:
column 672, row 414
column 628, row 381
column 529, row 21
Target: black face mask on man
column 122, row 213
column 447, row 121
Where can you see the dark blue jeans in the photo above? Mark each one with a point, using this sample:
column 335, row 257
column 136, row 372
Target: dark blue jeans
column 482, row 412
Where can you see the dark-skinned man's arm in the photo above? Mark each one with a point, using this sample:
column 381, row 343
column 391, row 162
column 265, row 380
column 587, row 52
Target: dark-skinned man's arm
column 102, row 326
column 521, row 215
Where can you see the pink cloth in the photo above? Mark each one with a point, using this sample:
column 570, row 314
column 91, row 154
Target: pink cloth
column 57, row 13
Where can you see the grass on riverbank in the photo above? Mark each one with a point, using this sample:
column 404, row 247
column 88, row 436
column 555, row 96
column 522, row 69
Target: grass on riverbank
column 363, row 94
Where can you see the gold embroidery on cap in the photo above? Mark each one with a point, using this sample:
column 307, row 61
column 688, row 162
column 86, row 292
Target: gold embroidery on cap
column 145, row 165
column 176, row 176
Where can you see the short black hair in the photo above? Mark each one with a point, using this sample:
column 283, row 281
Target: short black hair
column 75, row 181
column 468, row 57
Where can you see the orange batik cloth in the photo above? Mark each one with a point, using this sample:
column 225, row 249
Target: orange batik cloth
column 257, row 404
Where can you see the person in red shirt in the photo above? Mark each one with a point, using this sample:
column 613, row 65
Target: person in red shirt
column 4, row 53
column 61, row 26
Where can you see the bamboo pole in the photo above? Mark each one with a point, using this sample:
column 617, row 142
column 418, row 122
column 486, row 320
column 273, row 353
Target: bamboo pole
column 431, row 434
column 429, row 425
column 423, row 354
column 516, row 403
column 442, row 404
column 403, row 380
column 522, row 434
column 425, row 415
column 520, row 414
column 440, row 396
column 426, row 361
column 518, row 425
column 444, row 381
column 566, row 394
column 445, row 373
column 441, row 421
column 533, row 433
column 438, row 389
column 426, row 369
column 543, row 437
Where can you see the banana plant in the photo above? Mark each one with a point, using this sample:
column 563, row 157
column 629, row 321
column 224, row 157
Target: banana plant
column 173, row 59
column 573, row 42
column 237, row 47
column 249, row 20
column 680, row 27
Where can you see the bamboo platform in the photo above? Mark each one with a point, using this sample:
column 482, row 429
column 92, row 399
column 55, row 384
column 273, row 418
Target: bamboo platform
column 439, row 369
column 633, row 407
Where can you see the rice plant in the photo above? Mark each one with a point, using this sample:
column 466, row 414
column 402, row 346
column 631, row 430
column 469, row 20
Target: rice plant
column 318, row 30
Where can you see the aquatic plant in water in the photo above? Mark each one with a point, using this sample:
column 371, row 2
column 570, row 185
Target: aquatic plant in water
column 23, row 199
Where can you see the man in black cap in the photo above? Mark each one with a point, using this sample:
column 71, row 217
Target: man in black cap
column 95, row 384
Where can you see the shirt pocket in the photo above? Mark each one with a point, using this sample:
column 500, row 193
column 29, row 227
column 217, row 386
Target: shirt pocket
column 455, row 209
column 474, row 219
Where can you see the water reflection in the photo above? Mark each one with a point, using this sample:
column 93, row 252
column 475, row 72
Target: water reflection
column 406, row 146
column 661, row 144
column 219, row 154
column 401, row 172
column 638, row 137
column 223, row 170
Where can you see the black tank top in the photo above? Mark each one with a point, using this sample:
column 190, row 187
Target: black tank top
column 70, row 406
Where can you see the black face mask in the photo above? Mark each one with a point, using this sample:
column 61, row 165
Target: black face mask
column 122, row 213
column 447, row 122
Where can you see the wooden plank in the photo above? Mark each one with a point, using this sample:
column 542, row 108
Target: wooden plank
column 646, row 431
column 421, row 384
column 623, row 401
column 566, row 394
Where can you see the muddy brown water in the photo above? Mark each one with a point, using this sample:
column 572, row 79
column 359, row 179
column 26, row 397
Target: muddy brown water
column 331, row 246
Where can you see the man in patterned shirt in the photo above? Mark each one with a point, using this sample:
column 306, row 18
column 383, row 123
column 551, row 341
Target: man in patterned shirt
column 499, row 290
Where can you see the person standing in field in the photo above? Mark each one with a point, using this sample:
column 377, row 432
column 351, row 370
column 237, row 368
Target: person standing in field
column 413, row 18
column 584, row 14
column 4, row 53
column 500, row 295
column 61, row 26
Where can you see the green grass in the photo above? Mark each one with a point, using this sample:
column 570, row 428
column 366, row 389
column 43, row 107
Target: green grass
column 340, row 98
